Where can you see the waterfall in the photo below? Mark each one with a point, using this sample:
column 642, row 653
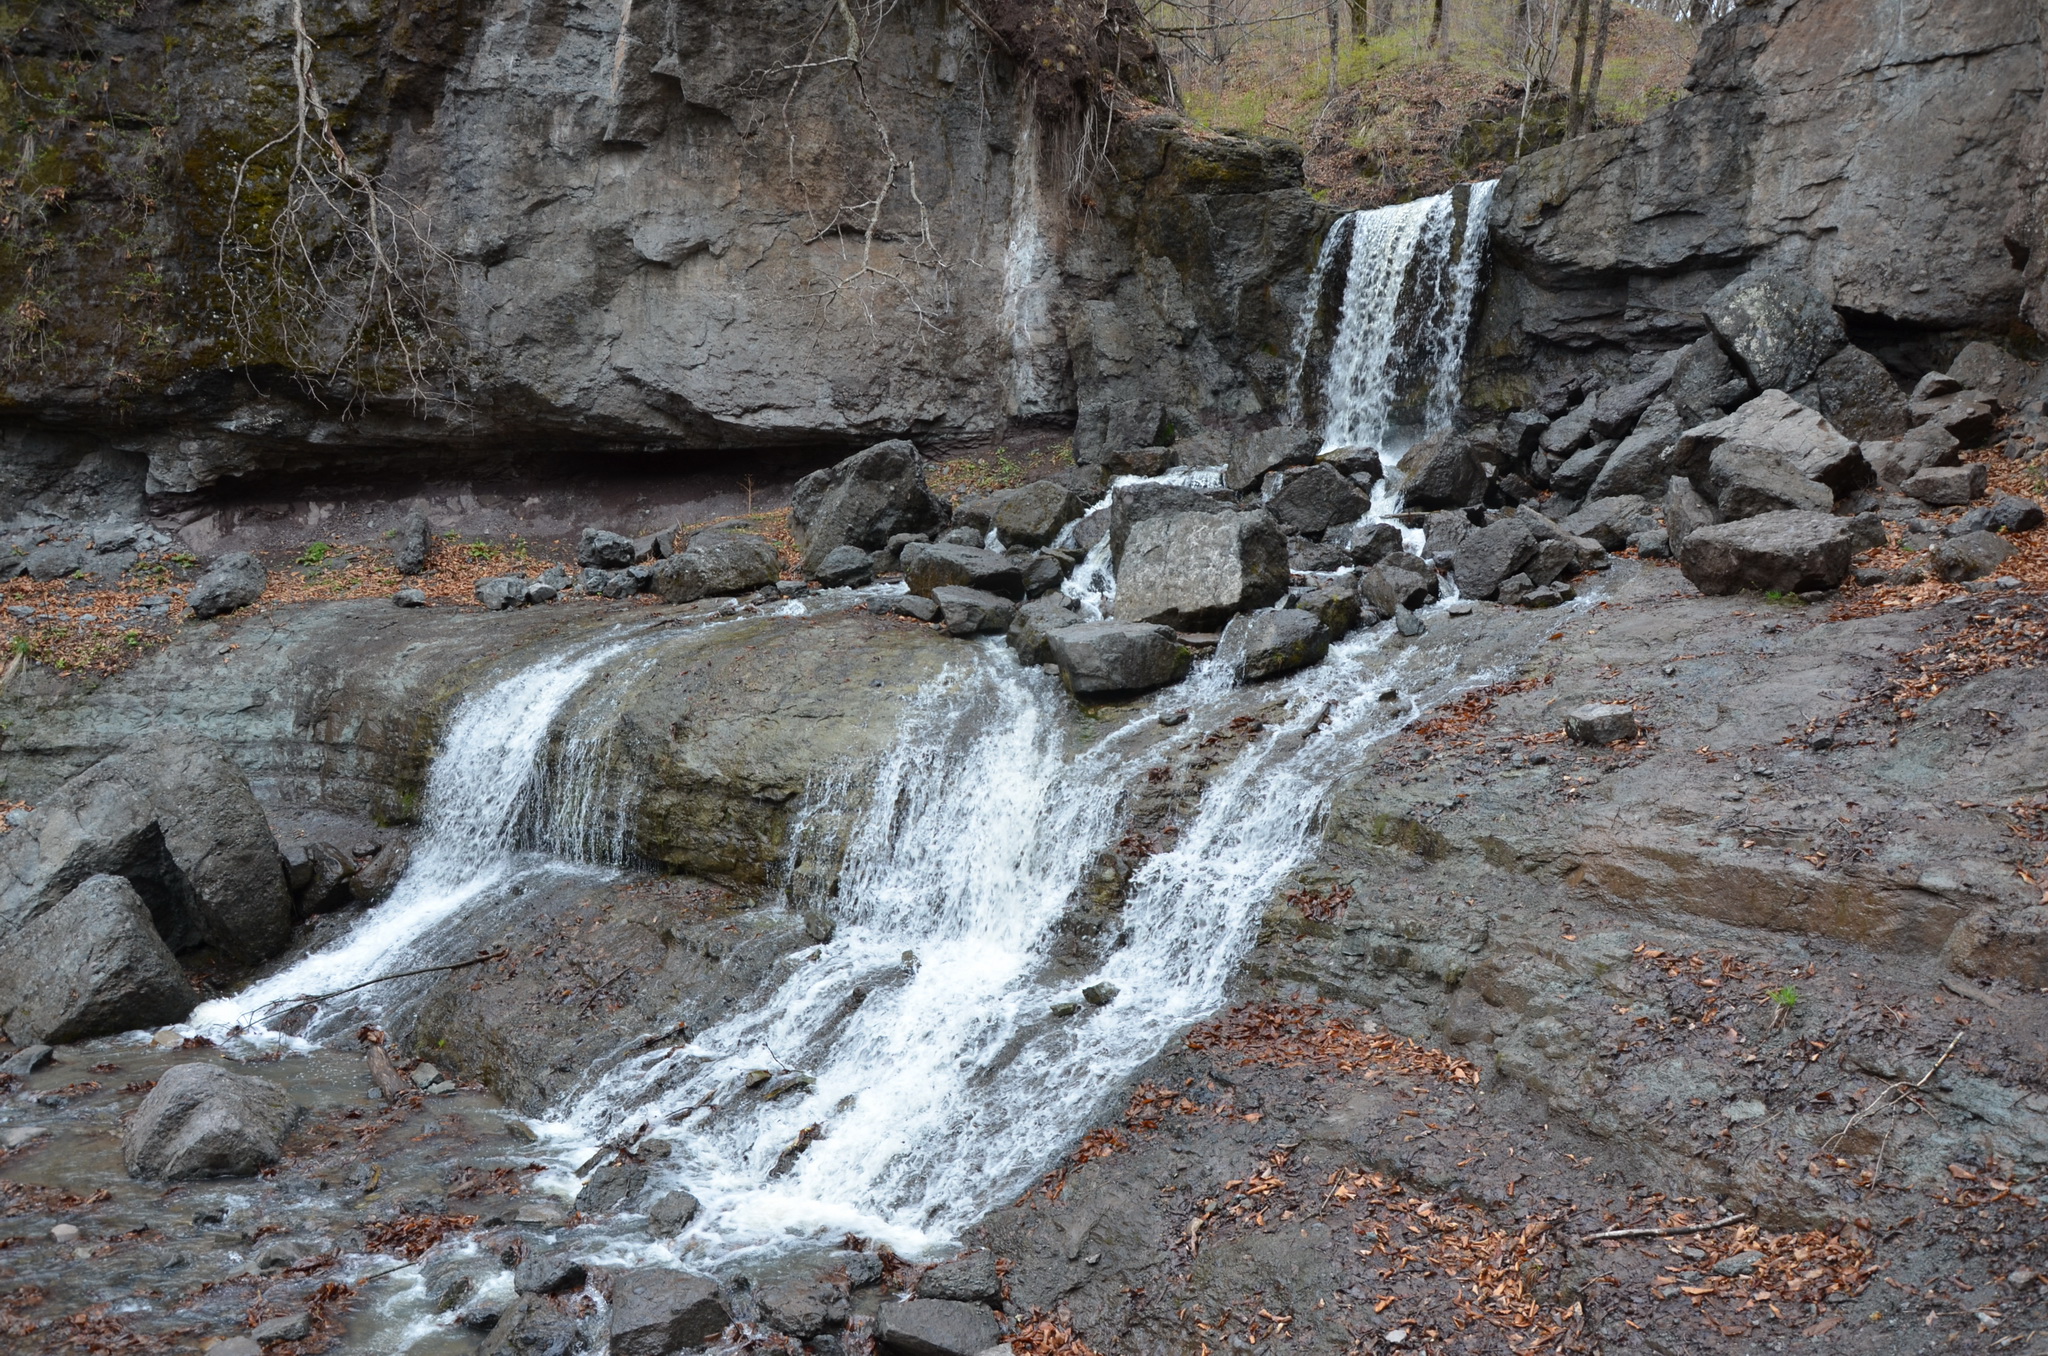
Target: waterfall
column 498, row 801
column 944, row 1082
column 1411, row 274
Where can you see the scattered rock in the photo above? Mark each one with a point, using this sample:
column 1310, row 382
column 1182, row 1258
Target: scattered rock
column 409, row 598
column 1441, row 472
column 1748, row 480
column 502, row 593
column 234, row 581
column 57, row 560
column 1617, row 409
column 1611, row 522
column 802, row 1307
column 415, row 540
column 1262, row 645
column 1269, row 451
column 1990, row 369
column 1946, row 486
column 1569, row 433
column 548, row 1273
column 202, row 1121
column 972, row 612
column 2006, row 513
column 291, row 1328
column 1492, row 553
column 1685, row 512
column 1317, row 499
column 672, row 1211
column 1115, row 656
column 1336, row 608
column 533, row 1326
column 1741, row 1264
column 1776, row 326
column 1966, row 416
column 1704, row 384
column 241, row 1345
column 863, row 501
column 1601, row 723
column 971, row 1275
column 1788, row 552
column 612, row 1186
column 1896, row 462
column 1398, row 581
column 846, row 567
column 1030, row 632
column 656, row 1312
column 598, row 549
column 926, row 568
column 717, row 564
column 1032, row 515
column 1368, row 543
column 1193, row 571
column 1970, row 556
column 1408, row 624
column 908, row 605
column 1857, row 395
column 935, row 1327
column 92, row 965
column 1642, row 463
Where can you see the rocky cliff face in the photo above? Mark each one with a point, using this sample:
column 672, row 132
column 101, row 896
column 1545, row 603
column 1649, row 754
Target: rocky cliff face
column 1882, row 149
column 617, row 226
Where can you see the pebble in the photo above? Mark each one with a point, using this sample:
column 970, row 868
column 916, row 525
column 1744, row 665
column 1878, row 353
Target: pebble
column 1461, row 608
column 64, row 1233
column 236, row 1346
column 1100, row 995
column 19, row 1135
column 1179, row 717
column 291, row 1328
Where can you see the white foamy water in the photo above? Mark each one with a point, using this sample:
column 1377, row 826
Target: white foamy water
column 489, row 817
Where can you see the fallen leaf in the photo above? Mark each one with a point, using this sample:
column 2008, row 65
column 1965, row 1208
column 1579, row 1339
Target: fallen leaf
column 1823, row 1327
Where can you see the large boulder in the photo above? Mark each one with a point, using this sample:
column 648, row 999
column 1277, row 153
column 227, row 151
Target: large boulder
column 599, row 549
column 92, row 965
column 202, row 1121
column 1269, row 451
column 1685, row 512
column 1032, row 515
column 1948, row 486
column 1899, row 459
column 55, row 560
column 862, row 501
column 1704, row 384
column 1642, row 463
column 656, row 1312
column 1318, row 499
column 1611, row 522
column 1775, row 422
column 1970, row 556
column 1097, row 658
column 1574, row 477
column 972, row 612
column 1858, row 395
column 1367, row 543
column 415, row 540
column 1399, row 581
column 1442, row 472
column 1777, row 327
column 1490, row 554
column 928, row 566
column 1616, row 409
column 234, row 581
column 1194, row 571
column 1130, row 505
column 1030, row 633
column 1746, row 481
column 1262, row 645
column 1786, row 552
column 178, row 823
column 533, row 1325
column 718, row 563
column 934, row 1327
column 1990, row 369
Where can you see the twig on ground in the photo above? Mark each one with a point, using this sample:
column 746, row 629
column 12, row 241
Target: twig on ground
column 1904, row 1091
column 1664, row 1231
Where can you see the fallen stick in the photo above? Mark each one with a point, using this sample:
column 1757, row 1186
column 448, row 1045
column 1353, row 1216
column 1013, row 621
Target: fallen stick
column 1905, row 1093
column 382, row 979
column 1664, row 1231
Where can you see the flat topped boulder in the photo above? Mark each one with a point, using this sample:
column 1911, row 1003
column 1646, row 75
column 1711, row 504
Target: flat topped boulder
column 1601, row 723
column 1261, row 645
column 1786, row 552
column 929, row 566
column 1194, row 571
column 1098, row 658
column 202, row 1121
column 936, row 1327
column 717, row 564
column 1130, row 505
column 1032, row 515
column 1269, row 451
column 1318, row 499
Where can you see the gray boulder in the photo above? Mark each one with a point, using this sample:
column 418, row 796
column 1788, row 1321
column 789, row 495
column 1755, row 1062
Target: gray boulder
column 1611, row 522
column 1990, row 369
column 1030, row 633
column 549, row 1271
column 502, row 593
column 1575, row 476
column 802, row 1306
column 927, row 567
column 234, row 581
column 1262, row 645
column 908, row 605
column 2006, row 513
column 1492, row 553
column 1269, row 451
column 1948, row 486
column 846, row 567
column 1685, row 512
column 1616, row 409
column 1642, row 463
column 1748, row 480
column 1441, row 472
column 176, row 821
column 598, row 549
column 1194, row 571
column 415, row 540
column 863, row 501
column 1776, row 327
column 92, row 965
column 1032, row 515
column 1704, row 384
column 1359, row 465
column 1601, row 723
column 672, row 1211
column 409, row 598
column 533, row 1325
column 1336, row 608
column 1400, row 581
column 1775, row 422
column 1442, row 532
column 717, row 564
column 1130, row 505
column 1900, row 459
column 202, row 1121
column 1786, row 552
column 1966, row 416
column 613, row 1186
column 1306, row 555
column 972, row 612
column 1970, row 556
column 1569, row 433
column 57, row 560
column 1367, row 543
column 1858, row 395
column 1115, row 656
column 970, row 1276
column 1317, row 499
column 934, row 1327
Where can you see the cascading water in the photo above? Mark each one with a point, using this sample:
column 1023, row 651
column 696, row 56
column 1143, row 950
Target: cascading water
column 494, row 809
column 1411, row 274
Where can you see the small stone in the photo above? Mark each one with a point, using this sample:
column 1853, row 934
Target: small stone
column 291, row 1328
column 522, row 1132
column 409, row 598
column 548, row 1273
column 861, row 1268
column 1066, row 1007
column 1741, row 1264
column 27, row 1060
column 909, row 605
column 970, row 1276
column 538, row 592
column 236, row 1346
column 501, row 593
column 1601, row 723
column 1460, row 608
column 1172, row 718
column 604, row 550
column 16, row 1136
column 1746, row 1110
column 1408, row 624
column 672, row 1211
column 64, row 1233
column 1101, row 994
column 425, row 1075
column 1396, row 1336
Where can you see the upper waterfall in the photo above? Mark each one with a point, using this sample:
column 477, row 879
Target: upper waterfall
column 1379, row 358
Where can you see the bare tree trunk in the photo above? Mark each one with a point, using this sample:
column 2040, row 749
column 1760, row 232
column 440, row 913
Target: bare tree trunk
column 1578, row 110
column 1330, row 8
column 1361, row 20
column 1436, row 22
column 1599, row 61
